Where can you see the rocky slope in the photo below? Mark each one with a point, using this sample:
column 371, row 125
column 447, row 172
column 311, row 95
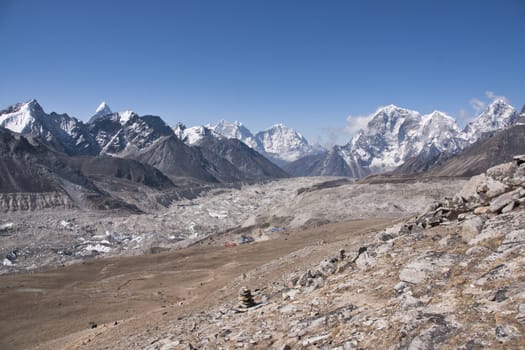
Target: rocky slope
column 492, row 149
column 451, row 278
column 34, row 176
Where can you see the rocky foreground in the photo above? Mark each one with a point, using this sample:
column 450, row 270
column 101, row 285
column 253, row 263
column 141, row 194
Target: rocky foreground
column 453, row 277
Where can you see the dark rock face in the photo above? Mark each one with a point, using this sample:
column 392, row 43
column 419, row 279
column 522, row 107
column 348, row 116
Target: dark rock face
column 233, row 160
column 27, row 168
column 149, row 140
column 428, row 158
column 329, row 163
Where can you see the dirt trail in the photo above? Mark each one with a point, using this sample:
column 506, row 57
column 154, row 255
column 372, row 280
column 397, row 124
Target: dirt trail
column 54, row 309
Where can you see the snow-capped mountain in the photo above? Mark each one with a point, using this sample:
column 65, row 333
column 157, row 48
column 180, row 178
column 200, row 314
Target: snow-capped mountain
column 395, row 135
column 184, row 154
column 235, row 130
column 282, row 143
column 278, row 143
column 124, row 133
column 102, row 110
column 499, row 115
column 59, row 131
column 193, row 135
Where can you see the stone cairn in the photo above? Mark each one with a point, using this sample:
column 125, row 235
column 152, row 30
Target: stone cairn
column 245, row 298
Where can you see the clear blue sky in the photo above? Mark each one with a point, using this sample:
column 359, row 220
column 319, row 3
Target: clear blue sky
column 308, row 64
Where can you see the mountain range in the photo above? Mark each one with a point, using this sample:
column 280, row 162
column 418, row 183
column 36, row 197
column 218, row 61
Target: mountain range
column 279, row 143
column 396, row 136
column 147, row 139
column 395, row 139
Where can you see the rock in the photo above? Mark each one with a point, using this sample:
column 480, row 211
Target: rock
column 519, row 159
column 291, row 294
column 469, row 192
column 515, row 237
column 494, row 188
column 12, row 255
column 502, row 201
column 425, row 266
column 408, row 302
column 501, row 171
column 520, row 317
column 481, row 210
column 400, row 287
column 471, row 228
column 500, row 295
column 432, row 337
column 245, row 298
column 328, row 266
column 508, row 207
column 506, row 332
column 364, row 260
column 477, row 250
column 498, row 272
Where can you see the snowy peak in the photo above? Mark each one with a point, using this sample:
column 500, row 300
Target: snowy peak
column 195, row 134
column 279, row 143
column 283, row 143
column 395, row 134
column 235, row 130
column 498, row 115
column 21, row 117
column 440, row 132
column 60, row 131
column 178, row 129
column 389, row 120
column 103, row 109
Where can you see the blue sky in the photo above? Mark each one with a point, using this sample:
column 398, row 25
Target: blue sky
column 308, row 64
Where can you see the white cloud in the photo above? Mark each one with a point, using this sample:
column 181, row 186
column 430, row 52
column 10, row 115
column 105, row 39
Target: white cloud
column 356, row 123
column 492, row 96
column 477, row 104
column 329, row 137
column 464, row 117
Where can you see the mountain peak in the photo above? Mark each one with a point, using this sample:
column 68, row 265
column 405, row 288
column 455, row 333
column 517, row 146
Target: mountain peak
column 390, row 108
column 498, row 115
column 499, row 101
column 279, row 126
column 103, row 109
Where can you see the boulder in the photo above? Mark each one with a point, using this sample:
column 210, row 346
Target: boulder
column 501, row 171
column 502, row 201
column 494, row 188
column 471, row 228
column 481, row 210
column 508, row 207
column 469, row 192
column 519, row 159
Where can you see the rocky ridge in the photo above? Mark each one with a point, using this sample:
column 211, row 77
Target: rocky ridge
column 452, row 277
